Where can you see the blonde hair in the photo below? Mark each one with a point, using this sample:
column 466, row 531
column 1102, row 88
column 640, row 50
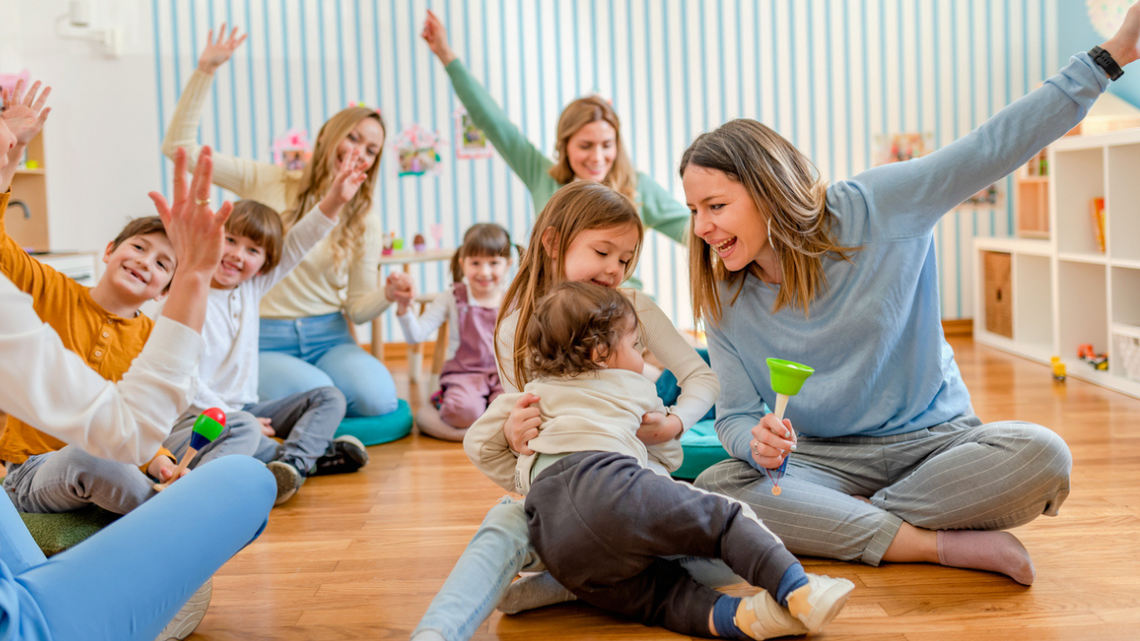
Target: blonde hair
column 348, row 236
column 622, row 177
column 575, row 208
column 786, row 189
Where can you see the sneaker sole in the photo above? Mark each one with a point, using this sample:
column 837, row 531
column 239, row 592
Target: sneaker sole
column 359, row 454
column 186, row 621
column 836, row 606
column 287, row 485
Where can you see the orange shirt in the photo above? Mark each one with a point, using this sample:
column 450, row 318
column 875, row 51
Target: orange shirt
column 108, row 343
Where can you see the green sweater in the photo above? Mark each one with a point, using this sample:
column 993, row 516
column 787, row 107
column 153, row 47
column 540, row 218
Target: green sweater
column 658, row 209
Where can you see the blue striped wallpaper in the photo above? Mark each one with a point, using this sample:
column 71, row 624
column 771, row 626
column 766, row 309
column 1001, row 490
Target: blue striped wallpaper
column 827, row 74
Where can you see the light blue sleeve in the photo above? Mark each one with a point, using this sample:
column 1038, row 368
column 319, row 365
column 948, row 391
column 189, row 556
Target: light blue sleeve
column 906, row 199
column 739, row 407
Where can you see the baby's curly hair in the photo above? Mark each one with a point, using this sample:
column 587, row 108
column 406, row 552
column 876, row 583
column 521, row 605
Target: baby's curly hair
column 572, row 321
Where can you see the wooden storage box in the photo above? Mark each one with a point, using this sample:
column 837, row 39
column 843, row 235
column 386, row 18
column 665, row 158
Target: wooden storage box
column 998, row 293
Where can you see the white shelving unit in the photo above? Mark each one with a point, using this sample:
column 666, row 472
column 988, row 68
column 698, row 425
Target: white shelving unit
column 1065, row 291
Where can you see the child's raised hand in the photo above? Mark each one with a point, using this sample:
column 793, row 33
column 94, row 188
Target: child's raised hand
column 345, row 184
column 772, row 440
column 435, row 34
column 523, row 424
column 25, row 114
column 217, row 52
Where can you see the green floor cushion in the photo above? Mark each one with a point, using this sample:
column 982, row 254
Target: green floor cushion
column 374, row 430
column 702, row 450
column 54, row 533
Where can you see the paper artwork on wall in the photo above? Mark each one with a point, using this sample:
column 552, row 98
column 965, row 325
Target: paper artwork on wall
column 470, row 141
column 292, row 150
column 417, row 151
column 900, row 147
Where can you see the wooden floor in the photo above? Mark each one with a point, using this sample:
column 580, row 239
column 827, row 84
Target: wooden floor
column 360, row 556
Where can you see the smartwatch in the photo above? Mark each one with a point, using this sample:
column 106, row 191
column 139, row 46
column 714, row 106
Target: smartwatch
column 1104, row 60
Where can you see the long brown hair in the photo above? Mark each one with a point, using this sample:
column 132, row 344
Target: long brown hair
column 348, row 236
column 481, row 239
column 575, row 208
column 583, row 111
column 786, row 189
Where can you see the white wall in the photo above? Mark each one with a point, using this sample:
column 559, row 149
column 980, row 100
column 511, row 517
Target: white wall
column 827, row 74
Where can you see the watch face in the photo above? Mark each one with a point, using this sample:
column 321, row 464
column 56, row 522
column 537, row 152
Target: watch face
column 1106, row 16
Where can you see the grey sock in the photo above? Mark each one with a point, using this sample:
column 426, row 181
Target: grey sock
column 993, row 551
column 534, row 591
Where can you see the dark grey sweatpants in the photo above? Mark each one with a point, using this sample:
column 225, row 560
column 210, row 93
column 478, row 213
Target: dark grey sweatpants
column 600, row 522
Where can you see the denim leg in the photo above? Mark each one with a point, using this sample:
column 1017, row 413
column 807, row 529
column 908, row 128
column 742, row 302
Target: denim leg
column 280, row 375
column 114, row 587
column 18, row 550
column 367, row 385
column 70, row 478
column 307, row 422
column 499, row 550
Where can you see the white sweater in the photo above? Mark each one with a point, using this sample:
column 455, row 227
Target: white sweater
column 598, row 411
column 228, row 372
column 47, row 385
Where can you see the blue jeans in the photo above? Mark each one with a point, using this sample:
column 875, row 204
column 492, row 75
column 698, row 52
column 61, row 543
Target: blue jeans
column 127, row 581
column 500, row 550
column 301, row 354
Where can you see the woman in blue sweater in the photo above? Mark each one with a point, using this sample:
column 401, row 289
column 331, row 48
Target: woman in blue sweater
column 890, row 462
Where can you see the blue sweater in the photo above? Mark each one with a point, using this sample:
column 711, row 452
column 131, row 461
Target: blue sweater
column 874, row 335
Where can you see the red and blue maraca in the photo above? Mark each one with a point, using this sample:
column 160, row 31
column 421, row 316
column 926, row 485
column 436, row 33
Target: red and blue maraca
column 207, row 427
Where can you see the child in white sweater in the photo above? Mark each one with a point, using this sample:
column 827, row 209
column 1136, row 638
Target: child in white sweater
column 601, row 520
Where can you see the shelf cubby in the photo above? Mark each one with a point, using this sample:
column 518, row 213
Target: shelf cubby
column 1078, row 178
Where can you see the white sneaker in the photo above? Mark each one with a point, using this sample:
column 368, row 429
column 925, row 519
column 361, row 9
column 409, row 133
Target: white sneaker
column 760, row 617
column 817, row 603
column 289, row 480
column 186, row 621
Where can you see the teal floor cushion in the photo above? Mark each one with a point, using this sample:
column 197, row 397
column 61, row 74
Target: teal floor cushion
column 54, row 533
column 374, row 430
column 702, row 450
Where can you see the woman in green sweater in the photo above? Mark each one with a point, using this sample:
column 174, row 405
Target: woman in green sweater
column 588, row 145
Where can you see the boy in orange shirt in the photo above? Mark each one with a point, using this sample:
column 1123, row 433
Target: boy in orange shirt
column 101, row 324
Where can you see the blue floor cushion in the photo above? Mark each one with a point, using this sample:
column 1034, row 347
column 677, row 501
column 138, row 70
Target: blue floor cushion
column 702, row 450
column 374, row 430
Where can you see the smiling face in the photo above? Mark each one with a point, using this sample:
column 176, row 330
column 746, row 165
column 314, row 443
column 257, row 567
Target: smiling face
column 598, row 256
column 140, row 268
column 725, row 217
column 242, row 259
column 367, row 138
column 592, row 150
column 486, row 275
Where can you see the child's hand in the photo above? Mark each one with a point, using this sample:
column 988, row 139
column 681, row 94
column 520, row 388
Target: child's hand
column 162, row 469
column 657, row 428
column 400, row 289
column 523, row 423
column 435, row 35
column 344, row 186
column 772, row 441
column 218, row 52
column 25, row 114
column 267, row 426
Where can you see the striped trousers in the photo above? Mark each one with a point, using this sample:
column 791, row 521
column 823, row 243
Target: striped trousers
column 958, row 475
